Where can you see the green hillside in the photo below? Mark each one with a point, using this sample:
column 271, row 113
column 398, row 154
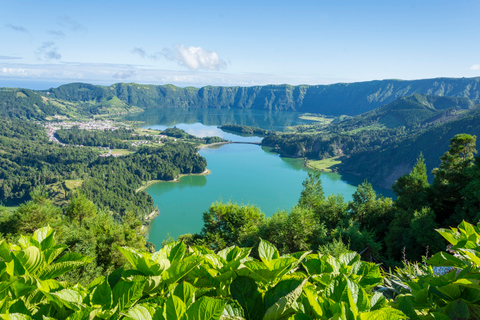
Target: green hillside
column 335, row 99
column 383, row 144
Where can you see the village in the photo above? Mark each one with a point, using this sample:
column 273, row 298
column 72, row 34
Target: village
column 52, row 128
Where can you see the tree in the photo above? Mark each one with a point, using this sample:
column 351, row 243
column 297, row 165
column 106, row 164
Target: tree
column 80, row 208
column 227, row 224
column 451, row 177
column 312, row 194
column 411, row 189
column 371, row 212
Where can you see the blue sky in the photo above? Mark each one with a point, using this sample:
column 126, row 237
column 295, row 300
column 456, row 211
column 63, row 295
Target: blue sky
column 198, row 43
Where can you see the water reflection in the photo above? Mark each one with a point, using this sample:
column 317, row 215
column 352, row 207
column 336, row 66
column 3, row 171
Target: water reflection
column 270, row 120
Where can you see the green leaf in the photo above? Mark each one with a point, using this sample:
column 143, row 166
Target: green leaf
column 267, row 251
column 179, row 269
column 457, row 309
column 174, row 308
column 443, row 259
column 45, row 236
column 377, row 301
column 53, row 252
column 280, row 290
column 233, row 310
column 139, row 313
column 126, row 294
column 245, row 291
column 177, row 251
column 312, row 299
column 284, row 305
column 31, row 259
column 206, row 308
column 15, row 316
column 472, row 256
column 349, row 258
column 68, row 297
column 57, row 269
column 5, row 251
column 139, row 261
column 186, row 292
column 101, row 295
column 383, row 314
column 449, row 235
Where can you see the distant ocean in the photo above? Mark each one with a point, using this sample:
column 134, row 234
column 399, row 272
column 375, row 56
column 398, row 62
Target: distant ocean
column 42, row 84
column 31, row 84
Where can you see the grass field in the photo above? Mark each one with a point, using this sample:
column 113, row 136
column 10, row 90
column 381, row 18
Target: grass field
column 324, row 165
column 316, row 117
column 73, row 184
column 122, row 151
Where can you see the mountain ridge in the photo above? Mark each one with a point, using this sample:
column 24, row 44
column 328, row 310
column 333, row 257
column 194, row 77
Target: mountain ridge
column 333, row 99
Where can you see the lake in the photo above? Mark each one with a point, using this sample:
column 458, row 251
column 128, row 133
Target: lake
column 243, row 173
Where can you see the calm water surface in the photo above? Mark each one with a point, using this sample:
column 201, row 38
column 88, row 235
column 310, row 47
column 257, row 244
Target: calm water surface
column 242, row 173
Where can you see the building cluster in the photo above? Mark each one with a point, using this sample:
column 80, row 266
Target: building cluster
column 52, row 128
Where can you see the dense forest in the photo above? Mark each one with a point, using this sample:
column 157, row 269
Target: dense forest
column 335, row 99
column 30, row 160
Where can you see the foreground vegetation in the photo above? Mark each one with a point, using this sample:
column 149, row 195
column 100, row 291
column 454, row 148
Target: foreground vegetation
column 179, row 282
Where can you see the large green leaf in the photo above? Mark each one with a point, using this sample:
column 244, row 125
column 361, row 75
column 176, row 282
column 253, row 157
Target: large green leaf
column 206, row 308
column 450, row 235
column 101, row 295
column 245, row 291
column 57, row 269
column 443, row 259
column 53, row 252
column 267, row 251
column 5, row 252
column 126, row 294
column 45, row 236
column 139, row 260
column 186, row 292
column 179, row 269
column 383, row 314
column 139, row 313
column 31, row 259
column 175, row 308
column 457, row 309
column 284, row 306
column 280, row 290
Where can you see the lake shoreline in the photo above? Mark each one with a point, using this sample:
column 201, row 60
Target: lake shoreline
column 177, row 179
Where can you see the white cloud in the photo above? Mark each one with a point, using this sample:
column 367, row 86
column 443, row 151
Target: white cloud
column 56, row 33
column 140, row 51
column 122, row 75
column 48, row 51
column 475, row 67
column 108, row 73
column 195, row 58
column 16, row 28
column 73, row 25
column 9, row 58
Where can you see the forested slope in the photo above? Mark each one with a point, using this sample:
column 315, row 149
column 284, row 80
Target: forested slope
column 382, row 144
column 334, row 99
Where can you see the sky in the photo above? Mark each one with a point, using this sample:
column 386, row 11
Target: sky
column 245, row 43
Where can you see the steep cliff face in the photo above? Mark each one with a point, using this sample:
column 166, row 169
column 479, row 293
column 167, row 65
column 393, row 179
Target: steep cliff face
column 336, row 99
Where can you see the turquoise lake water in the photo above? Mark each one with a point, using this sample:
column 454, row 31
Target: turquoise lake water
column 243, row 173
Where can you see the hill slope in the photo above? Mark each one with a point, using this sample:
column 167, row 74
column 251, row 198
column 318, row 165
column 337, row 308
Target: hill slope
column 336, row 99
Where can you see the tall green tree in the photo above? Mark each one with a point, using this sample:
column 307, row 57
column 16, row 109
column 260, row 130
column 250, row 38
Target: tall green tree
column 312, row 195
column 412, row 189
column 451, row 177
